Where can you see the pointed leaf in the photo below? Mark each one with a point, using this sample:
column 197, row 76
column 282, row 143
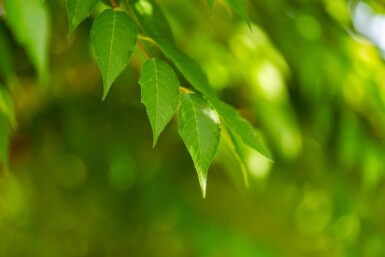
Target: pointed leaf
column 235, row 144
column 151, row 19
column 188, row 67
column 155, row 25
column 239, row 126
column 24, row 17
column 78, row 10
column 200, row 130
column 160, row 94
column 113, row 38
column 239, row 8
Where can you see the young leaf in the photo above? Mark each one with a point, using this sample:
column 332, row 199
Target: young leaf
column 113, row 39
column 24, row 16
column 240, row 9
column 200, row 130
column 160, row 94
column 151, row 19
column 78, row 10
column 239, row 126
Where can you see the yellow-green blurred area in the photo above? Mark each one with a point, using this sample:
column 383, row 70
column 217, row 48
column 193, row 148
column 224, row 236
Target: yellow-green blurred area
column 84, row 179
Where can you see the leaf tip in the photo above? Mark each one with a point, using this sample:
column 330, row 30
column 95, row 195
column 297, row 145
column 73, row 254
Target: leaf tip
column 203, row 185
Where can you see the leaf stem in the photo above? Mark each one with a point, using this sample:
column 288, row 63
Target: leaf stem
column 186, row 90
column 143, row 49
column 113, row 3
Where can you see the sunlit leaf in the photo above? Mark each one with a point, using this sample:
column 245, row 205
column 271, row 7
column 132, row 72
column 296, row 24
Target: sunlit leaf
column 239, row 126
column 200, row 130
column 240, row 9
column 78, row 10
column 113, row 38
column 160, row 94
column 24, row 17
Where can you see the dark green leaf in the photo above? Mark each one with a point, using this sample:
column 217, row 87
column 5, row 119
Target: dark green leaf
column 24, row 16
column 188, row 66
column 160, row 94
column 200, row 130
column 113, row 38
column 78, row 10
column 151, row 19
column 239, row 126
column 6, row 63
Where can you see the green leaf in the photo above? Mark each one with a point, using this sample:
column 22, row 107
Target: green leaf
column 235, row 144
column 160, row 94
column 24, row 17
column 113, row 38
column 239, row 126
column 6, row 63
column 7, row 120
column 151, row 19
column 78, row 10
column 200, row 130
column 155, row 25
column 211, row 5
column 239, row 8
column 188, row 67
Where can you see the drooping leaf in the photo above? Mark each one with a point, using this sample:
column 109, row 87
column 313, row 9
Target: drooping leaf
column 239, row 126
column 151, row 19
column 7, row 120
column 113, row 39
column 188, row 67
column 239, row 8
column 235, row 144
column 200, row 130
column 155, row 25
column 78, row 10
column 211, row 5
column 160, row 94
column 24, row 17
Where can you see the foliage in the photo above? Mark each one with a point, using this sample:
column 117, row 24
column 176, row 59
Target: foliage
column 114, row 37
column 82, row 178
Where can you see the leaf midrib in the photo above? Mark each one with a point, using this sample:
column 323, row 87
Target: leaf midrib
column 112, row 43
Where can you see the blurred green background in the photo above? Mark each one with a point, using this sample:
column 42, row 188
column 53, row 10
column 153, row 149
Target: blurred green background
column 85, row 181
